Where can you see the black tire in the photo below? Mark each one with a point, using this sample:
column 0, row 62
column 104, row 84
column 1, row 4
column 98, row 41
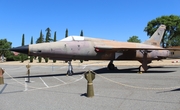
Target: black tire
column 111, row 66
column 140, row 68
column 69, row 73
column 144, row 70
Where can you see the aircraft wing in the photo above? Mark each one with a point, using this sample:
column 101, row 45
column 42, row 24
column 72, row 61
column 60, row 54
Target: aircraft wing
column 112, row 48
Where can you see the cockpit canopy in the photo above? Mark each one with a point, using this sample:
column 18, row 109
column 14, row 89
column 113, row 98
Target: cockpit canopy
column 73, row 38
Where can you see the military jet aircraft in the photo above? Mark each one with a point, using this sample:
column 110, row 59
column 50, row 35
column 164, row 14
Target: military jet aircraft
column 86, row 48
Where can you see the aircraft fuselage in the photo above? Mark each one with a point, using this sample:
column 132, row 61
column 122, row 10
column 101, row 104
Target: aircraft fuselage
column 85, row 50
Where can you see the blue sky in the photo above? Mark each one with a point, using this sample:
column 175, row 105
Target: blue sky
column 108, row 19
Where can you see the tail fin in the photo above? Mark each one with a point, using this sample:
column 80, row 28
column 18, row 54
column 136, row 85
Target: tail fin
column 156, row 38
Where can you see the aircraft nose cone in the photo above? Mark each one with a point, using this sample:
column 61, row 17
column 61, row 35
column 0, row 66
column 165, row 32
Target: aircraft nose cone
column 21, row 49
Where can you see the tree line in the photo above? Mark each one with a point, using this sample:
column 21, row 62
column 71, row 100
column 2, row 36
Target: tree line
column 5, row 45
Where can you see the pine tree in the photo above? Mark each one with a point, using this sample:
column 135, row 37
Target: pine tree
column 22, row 40
column 81, row 34
column 31, row 57
column 66, row 34
column 48, row 35
column 22, row 55
column 40, row 40
column 48, row 39
column 55, row 37
column 39, row 59
column 54, row 61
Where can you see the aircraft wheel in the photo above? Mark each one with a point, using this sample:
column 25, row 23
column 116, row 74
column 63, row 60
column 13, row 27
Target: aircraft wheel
column 141, row 69
column 69, row 73
column 111, row 66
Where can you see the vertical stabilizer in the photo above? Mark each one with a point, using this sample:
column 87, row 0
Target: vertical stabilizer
column 156, row 38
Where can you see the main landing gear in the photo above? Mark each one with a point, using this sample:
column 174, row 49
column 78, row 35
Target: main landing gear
column 144, row 67
column 111, row 65
column 70, row 69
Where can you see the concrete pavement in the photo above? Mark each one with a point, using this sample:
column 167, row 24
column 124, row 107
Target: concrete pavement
column 124, row 88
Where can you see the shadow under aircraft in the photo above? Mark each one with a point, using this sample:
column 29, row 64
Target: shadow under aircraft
column 106, row 71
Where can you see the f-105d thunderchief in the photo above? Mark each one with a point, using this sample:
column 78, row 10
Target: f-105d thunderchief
column 86, row 48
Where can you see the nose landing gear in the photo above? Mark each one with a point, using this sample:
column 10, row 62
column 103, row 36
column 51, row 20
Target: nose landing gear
column 111, row 65
column 70, row 69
